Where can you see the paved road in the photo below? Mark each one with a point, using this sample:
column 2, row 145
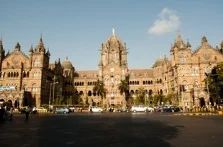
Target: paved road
column 112, row 130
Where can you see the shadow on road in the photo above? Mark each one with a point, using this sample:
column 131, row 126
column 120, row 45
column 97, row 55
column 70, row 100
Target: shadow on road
column 104, row 130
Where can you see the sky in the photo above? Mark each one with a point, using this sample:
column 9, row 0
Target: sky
column 76, row 28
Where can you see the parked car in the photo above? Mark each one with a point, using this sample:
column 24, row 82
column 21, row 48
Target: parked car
column 139, row 108
column 63, row 110
column 95, row 109
column 41, row 110
column 150, row 109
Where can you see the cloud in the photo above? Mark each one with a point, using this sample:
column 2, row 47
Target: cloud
column 167, row 22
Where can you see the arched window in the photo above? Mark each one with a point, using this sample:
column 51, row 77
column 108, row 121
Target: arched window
column 136, row 91
column 161, row 91
column 89, row 93
column 81, row 93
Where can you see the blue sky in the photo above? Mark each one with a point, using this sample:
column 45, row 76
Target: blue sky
column 76, row 28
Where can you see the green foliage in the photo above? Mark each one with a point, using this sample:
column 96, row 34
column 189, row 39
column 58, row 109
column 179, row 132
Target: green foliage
column 139, row 98
column 124, row 88
column 214, row 81
column 99, row 88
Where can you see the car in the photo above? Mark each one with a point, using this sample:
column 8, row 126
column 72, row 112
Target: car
column 139, row 108
column 41, row 110
column 63, row 110
column 95, row 109
column 150, row 109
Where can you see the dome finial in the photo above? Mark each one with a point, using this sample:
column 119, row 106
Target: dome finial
column 113, row 31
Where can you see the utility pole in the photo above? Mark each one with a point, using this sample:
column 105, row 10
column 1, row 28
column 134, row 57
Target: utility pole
column 50, row 94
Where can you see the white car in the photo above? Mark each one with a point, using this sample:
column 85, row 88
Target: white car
column 150, row 109
column 139, row 108
column 95, row 109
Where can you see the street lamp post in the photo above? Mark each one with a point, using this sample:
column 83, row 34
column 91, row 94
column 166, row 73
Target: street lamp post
column 54, row 83
column 50, row 94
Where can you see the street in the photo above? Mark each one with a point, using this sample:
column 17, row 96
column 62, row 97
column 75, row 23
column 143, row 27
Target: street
column 112, row 129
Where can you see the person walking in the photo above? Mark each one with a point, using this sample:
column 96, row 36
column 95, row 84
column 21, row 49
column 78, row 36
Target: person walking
column 27, row 112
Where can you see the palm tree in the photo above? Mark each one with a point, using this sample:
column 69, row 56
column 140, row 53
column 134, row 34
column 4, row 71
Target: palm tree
column 99, row 88
column 124, row 88
column 140, row 96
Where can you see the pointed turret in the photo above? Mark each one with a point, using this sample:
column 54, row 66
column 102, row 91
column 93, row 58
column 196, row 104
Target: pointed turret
column 204, row 43
column 48, row 52
column 188, row 44
column 179, row 43
column 2, row 53
column 40, row 47
column 1, row 45
column 17, row 47
column 204, row 39
column 221, row 45
column 31, row 49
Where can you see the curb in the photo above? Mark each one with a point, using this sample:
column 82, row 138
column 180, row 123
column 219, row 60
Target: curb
column 196, row 114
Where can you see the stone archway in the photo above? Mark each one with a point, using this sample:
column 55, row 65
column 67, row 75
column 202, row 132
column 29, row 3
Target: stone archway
column 16, row 103
column 202, row 102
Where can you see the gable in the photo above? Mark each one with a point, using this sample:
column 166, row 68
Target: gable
column 15, row 60
column 207, row 55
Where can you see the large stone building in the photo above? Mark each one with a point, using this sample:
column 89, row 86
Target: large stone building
column 31, row 78
column 182, row 74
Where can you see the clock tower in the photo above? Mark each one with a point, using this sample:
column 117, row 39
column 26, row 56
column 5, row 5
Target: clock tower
column 113, row 68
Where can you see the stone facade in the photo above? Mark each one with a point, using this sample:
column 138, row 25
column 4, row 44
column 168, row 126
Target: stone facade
column 35, row 79
column 182, row 74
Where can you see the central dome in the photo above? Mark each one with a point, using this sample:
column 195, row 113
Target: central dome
column 67, row 64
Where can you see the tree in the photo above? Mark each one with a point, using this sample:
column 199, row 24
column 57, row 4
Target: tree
column 99, row 88
column 158, row 99
column 214, row 84
column 124, row 89
column 76, row 97
column 140, row 96
column 171, row 98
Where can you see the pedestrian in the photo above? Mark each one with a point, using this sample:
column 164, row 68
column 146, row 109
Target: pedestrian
column 27, row 111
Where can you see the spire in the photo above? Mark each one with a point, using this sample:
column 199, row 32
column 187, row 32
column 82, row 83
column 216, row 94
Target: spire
column 1, row 45
column 41, row 40
column 221, row 45
column 31, row 49
column 204, row 40
column 188, row 44
column 48, row 52
column 40, row 47
column 2, row 51
column 17, row 46
column 179, row 43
